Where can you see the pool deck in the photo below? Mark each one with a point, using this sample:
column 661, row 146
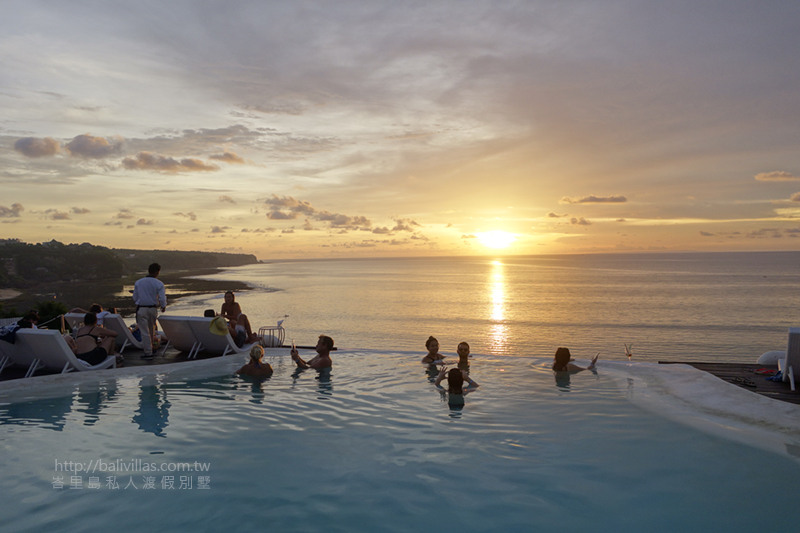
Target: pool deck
column 744, row 376
column 133, row 358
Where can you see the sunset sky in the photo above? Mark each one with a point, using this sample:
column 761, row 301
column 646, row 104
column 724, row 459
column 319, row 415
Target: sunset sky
column 335, row 129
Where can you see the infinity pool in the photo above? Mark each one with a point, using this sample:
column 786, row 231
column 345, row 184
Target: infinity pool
column 373, row 446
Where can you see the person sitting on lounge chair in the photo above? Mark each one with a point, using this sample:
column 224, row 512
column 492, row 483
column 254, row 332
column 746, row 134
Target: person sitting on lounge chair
column 30, row 320
column 238, row 324
column 94, row 343
column 97, row 309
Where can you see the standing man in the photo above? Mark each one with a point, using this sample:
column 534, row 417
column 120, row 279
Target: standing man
column 321, row 360
column 149, row 295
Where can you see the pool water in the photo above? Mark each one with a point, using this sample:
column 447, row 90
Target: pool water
column 373, row 446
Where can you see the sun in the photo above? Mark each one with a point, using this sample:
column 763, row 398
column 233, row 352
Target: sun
column 496, row 239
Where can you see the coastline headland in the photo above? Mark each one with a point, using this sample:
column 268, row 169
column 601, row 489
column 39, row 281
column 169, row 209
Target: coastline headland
column 78, row 275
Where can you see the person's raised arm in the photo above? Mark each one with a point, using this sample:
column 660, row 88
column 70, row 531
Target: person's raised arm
column 296, row 358
column 470, row 382
column 440, row 377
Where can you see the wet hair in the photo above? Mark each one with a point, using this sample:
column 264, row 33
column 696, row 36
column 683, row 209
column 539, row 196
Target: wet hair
column 154, row 269
column 96, row 308
column 327, row 341
column 455, row 379
column 561, row 359
column 209, row 313
column 256, row 352
column 89, row 319
column 464, row 343
column 429, row 341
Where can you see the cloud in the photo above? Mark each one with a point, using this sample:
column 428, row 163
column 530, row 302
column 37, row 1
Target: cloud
column 190, row 215
column 276, row 203
column 344, row 221
column 124, row 213
column 228, row 157
column 79, row 210
column 553, row 215
column 776, row 175
column 289, row 208
column 706, row 234
column 92, row 147
column 382, row 231
column 55, row 214
column 592, row 199
column 143, row 222
column 470, row 236
column 280, row 215
column 287, row 231
column 218, row 229
column 12, row 211
column 795, row 197
column 579, row 222
column 227, row 200
column 161, row 163
column 763, row 232
column 404, row 224
column 36, row 147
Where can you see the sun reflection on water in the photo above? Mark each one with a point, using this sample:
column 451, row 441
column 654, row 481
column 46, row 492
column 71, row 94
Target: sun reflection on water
column 497, row 295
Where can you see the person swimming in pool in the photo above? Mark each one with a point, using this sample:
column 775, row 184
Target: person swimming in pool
column 433, row 357
column 455, row 384
column 561, row 362
column 463, row 356
column 321, row 360
column 256, row 367
column 238, row 323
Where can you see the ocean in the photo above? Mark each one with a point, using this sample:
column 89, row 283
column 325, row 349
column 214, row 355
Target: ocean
column 722, row 307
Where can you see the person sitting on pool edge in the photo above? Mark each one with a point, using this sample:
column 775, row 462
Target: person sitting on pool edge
column 433, row 357
column 561, row 362
column 321, row 360
column 255, row 367
column 238, row 323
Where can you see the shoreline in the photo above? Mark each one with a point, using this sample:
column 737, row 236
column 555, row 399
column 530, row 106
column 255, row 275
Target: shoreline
column 178, row 284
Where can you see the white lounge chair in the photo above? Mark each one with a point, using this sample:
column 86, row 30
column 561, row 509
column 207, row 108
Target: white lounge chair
column 5, row 350
column 790, row 365
column 213, row 343
column 179, row 333
column 113, row 322
column 46, row 348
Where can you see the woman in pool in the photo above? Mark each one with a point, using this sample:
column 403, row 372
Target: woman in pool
column 238, row 324
column 93, row 343
column 433, row 357
column 255, row 367
column 455, row 385
column 561, row 362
